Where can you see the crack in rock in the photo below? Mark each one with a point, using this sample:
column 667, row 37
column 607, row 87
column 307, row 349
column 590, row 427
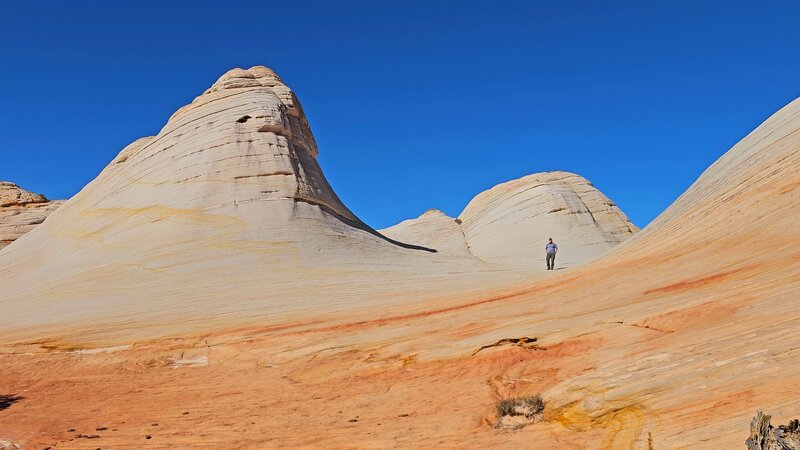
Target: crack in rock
column 524, row 342
column 636, row 325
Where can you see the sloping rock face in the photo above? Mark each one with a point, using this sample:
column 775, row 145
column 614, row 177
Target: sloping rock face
column 513, row 220
column 670, row 341
column 433, row 229
column 509, row 224
column 243, row 148
column 227, row 212
column 224, row 213
column 21, row 211
column 259, row 127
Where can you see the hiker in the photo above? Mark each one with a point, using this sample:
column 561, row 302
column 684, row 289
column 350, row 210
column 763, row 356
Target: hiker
column 551, row 249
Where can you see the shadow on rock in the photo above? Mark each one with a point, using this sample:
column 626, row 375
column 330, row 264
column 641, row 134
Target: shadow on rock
column 7, row 400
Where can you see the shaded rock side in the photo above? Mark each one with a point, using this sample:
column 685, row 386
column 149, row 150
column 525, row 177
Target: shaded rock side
column 21, row 211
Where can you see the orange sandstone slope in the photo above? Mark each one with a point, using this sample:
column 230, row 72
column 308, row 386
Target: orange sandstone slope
column 673, row 340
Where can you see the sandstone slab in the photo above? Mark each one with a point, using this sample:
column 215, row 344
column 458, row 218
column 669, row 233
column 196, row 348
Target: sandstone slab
column 299, row 322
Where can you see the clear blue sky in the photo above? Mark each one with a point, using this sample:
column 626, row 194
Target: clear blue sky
column 415, row 105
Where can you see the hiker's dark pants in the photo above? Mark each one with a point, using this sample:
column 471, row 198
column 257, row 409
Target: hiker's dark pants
column 551, row 260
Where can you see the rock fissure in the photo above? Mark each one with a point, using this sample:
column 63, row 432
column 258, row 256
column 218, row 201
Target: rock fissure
column 636, row 325
column 272, row 174
column 528, row 343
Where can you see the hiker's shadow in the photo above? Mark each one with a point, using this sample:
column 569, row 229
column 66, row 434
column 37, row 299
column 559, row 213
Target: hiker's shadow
column 7, row 400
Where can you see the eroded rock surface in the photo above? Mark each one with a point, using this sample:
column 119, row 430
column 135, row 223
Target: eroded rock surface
column 21, row 211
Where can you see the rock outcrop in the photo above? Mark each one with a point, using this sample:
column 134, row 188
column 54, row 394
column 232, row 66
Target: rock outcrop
column 13, row 195
column 509, row 224
column 21, row 211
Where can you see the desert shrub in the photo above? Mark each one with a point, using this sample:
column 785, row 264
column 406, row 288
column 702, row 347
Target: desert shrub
column 505, row 407
column 534, row 403
column 520, row 406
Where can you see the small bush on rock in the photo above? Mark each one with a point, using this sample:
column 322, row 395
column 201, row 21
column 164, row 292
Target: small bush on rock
column 516, row 413
column 505, row 407
column 534, row 403
column 520, row 406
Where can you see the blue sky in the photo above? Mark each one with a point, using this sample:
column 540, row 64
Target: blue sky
column 415, row 105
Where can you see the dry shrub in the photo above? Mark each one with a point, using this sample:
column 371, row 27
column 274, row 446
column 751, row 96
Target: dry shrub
column 520, row 406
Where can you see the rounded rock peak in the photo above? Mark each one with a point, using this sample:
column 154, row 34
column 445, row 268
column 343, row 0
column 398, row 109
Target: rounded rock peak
column 554, row 175
column 256, row 76
column 433, row 212
column 552, row 178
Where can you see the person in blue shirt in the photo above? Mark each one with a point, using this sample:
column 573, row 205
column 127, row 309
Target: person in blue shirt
column 551, row 249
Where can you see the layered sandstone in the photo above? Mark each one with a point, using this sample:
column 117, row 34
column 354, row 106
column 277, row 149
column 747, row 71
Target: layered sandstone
column 513, row 220
column 225, row 213
column 433, row 229
column 284, row 322
column 21, row 211
column 509, row 224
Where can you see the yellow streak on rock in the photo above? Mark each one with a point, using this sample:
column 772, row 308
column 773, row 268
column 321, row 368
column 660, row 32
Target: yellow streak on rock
column 625, row 421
